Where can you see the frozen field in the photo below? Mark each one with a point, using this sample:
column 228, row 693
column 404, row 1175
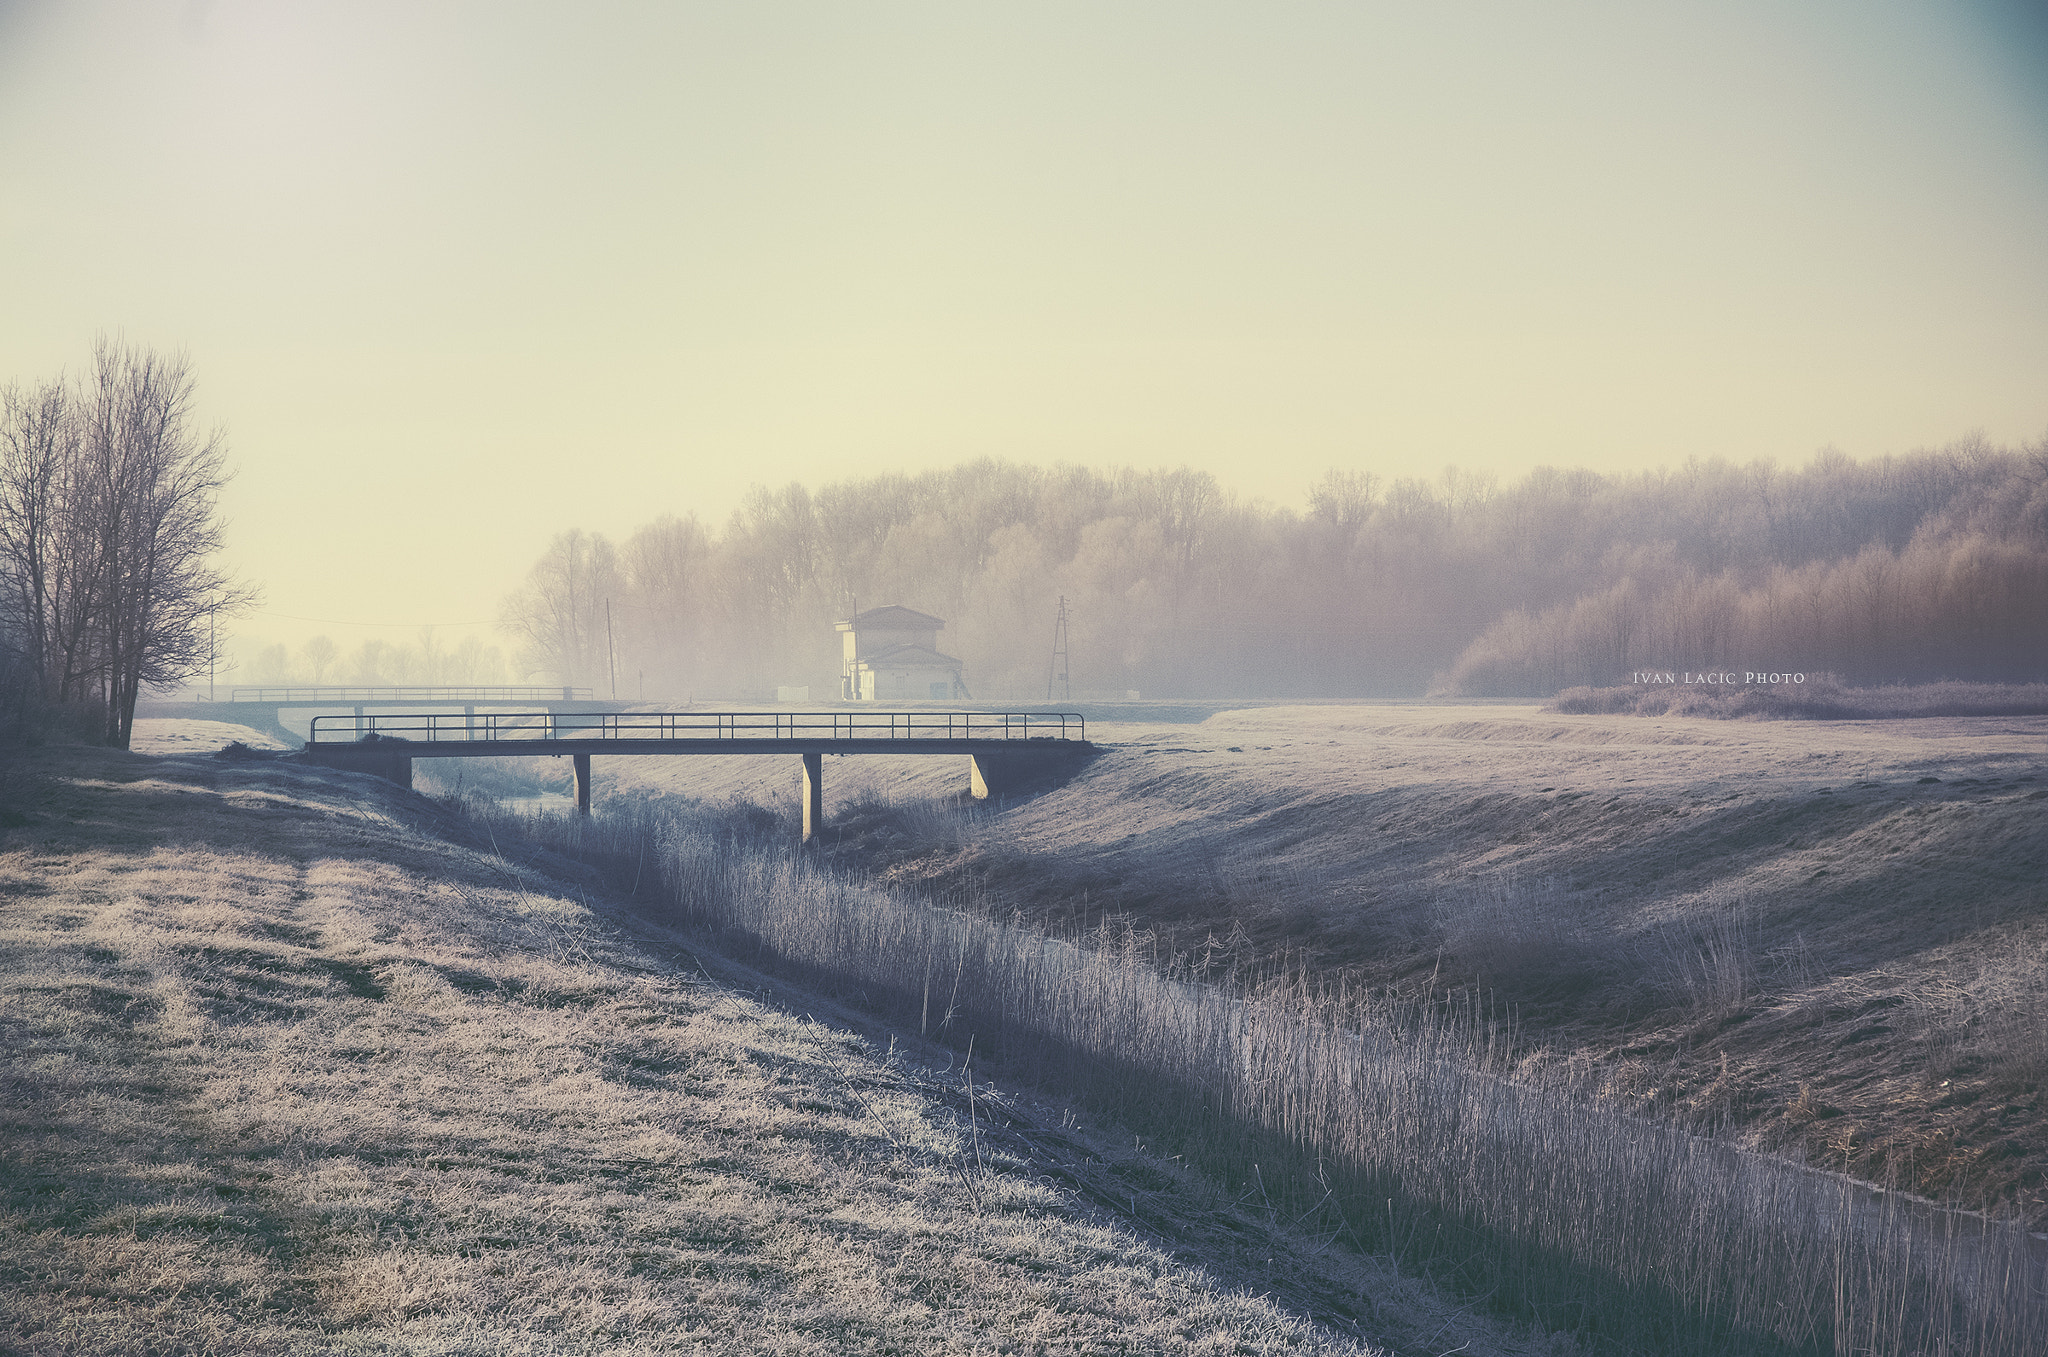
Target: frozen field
column 293, row 1066
column 155, row 736
column 1834, row 934
column 1336, row 804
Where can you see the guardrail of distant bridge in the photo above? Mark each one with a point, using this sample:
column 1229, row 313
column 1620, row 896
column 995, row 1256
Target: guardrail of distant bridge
column 709, row 726
column 317, row 693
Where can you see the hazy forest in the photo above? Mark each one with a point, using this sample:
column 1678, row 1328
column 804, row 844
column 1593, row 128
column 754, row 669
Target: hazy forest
column 1929, row 565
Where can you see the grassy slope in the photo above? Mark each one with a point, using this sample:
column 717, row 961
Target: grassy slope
column 286, row 1067
column 1835, row 934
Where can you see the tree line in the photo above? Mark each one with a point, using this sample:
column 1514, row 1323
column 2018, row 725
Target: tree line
column 108, row 522
column 1956, row 590
column 428, row 662
column 1928, row 564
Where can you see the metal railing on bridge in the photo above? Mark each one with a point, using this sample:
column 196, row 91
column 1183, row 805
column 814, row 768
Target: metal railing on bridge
column 708, row 726
column 335, row 693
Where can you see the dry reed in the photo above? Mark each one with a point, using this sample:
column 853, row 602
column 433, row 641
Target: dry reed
column 1396, row 1127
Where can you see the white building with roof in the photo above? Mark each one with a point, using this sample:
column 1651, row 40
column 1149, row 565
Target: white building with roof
column 891, row 654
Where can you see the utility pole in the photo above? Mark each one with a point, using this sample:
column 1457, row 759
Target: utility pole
column 611, row 654
column 212, row 647
column 1058, row 674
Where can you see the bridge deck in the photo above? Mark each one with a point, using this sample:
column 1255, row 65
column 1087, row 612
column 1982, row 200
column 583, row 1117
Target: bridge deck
column 445, row 734
column 263, row 708
column 528, row 748
column 347, row 695
column 1005, row 748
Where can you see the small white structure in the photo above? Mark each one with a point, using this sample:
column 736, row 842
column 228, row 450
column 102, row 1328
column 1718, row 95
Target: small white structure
column 892, row 654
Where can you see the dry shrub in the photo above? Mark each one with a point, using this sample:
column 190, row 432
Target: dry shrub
column 1820, row 698
column 487, row 778
column 1513, row 933
column 888, row 818
column 1528, row 936
column 1709, row 958
column 1254, row 883
column 1585, row 701
column 1996, row 1019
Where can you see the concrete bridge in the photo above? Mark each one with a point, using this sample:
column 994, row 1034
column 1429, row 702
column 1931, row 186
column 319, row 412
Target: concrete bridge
column 263, row 708
column 1005, row 750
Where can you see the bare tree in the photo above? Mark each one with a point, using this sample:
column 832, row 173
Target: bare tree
column 108, row 522
column 155, row 484
column 1344, row 499
column 558, row 617
column 320, row 657
column 38, row 455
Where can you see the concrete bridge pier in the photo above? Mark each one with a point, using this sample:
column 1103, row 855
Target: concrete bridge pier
column 582, row 765
column 814, row 796
column 392, row 768
column 1000, row 774
column 382, row 759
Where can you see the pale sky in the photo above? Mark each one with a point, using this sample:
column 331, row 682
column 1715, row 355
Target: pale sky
column 458, row 276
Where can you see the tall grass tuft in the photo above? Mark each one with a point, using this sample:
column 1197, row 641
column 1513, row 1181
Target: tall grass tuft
column 1709, row 957
column 1996, row 1019
column 1393, row 1126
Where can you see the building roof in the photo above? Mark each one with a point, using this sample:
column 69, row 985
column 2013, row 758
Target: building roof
column 890, row 617
column 907, row 657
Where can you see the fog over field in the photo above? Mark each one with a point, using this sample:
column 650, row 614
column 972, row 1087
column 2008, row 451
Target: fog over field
column 1542, row 510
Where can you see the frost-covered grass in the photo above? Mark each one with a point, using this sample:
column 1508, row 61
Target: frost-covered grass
column 282, row 1069
column 1716, row 916
column 1399, row 1128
